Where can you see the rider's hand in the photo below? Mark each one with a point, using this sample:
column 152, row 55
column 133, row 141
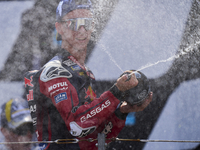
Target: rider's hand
column 124, row 85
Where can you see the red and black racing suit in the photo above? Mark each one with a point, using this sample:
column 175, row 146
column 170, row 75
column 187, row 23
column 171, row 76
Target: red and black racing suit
column 64, row 104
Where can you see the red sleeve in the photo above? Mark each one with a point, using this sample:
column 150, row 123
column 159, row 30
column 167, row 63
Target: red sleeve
column 86, row 118
column 111, row 128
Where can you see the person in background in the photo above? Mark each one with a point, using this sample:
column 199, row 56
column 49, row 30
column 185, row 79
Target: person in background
column 17, row 125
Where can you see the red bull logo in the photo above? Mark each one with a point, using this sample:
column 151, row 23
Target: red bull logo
column 28, row 81
column 90, row 93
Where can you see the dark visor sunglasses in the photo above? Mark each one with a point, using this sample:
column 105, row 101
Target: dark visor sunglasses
column 75, row 24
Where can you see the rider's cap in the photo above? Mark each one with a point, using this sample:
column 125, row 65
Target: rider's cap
column 65, row 6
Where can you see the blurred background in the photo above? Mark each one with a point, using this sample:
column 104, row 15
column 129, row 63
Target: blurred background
column 158, row 37
column 10, row 28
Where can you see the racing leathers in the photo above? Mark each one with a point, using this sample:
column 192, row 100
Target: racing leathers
column 64, row 104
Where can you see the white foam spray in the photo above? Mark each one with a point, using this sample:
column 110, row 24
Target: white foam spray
column 181, row 53
column 111, row 58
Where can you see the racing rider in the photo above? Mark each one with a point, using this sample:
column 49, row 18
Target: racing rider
column 62, row 96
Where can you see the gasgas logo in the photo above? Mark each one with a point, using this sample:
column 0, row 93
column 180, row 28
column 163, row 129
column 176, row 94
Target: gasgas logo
column 96, row 111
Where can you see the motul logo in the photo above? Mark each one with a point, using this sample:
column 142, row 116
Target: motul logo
column 57, row 85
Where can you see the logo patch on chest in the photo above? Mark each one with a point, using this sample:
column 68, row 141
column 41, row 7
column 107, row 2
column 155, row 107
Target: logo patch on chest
column 90, row 93
column 54, row 70
column 60, row 97
column 74, row 68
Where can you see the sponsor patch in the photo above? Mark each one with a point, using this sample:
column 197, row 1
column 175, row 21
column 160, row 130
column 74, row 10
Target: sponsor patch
column 57, row 85
column 28, row 81
column 76, row 130
column 107, row 128
column 90, row 93
column 60, row 97
column 53, row 70
column 81, row 73
column 95, row 111
column 76, row 67
column 69, row 62
column 64, row 88
column 29, row 96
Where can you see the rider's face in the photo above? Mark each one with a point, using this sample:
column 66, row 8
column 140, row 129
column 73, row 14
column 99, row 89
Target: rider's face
column 79, row 39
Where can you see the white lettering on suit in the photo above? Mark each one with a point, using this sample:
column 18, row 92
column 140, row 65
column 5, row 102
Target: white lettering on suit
column 57, row 85
column 95, row 111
